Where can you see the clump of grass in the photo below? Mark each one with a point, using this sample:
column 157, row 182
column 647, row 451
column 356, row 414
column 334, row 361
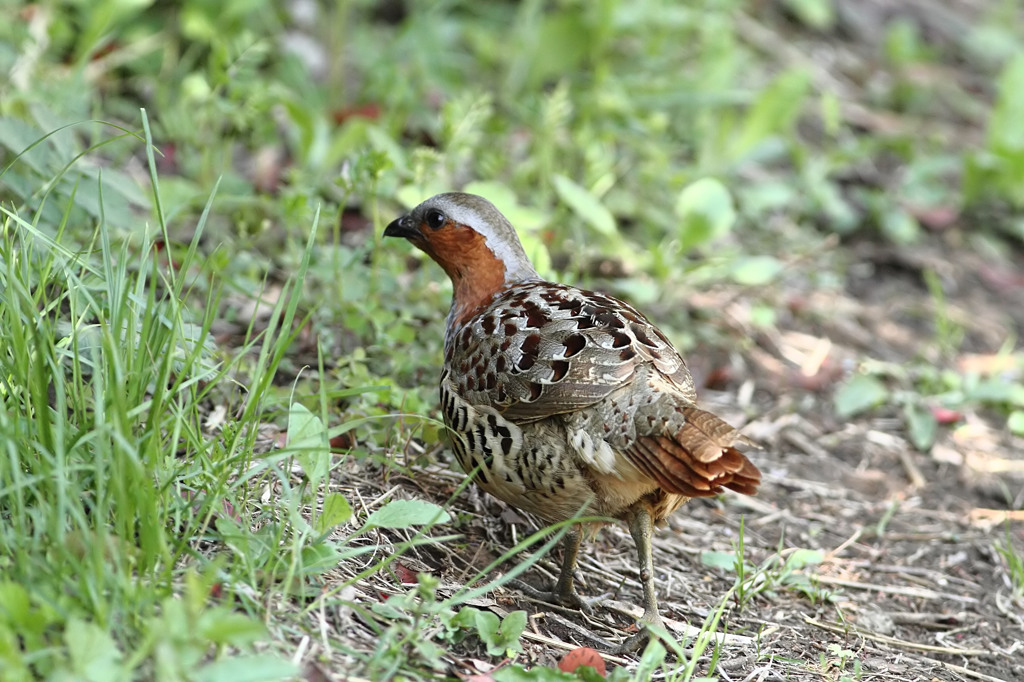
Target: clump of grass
column 108, row 480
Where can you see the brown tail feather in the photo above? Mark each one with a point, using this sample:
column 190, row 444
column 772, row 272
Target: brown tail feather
column 699, row 460
column 708, row 430
column 747, row 479
column 670, row 474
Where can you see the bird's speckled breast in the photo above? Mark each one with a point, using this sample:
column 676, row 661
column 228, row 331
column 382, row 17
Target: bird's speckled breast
column 530, row 467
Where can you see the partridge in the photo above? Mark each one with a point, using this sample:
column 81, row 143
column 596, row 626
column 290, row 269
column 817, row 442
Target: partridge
column 562, row 399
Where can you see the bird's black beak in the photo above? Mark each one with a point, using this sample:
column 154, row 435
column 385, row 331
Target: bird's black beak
column 403, row 227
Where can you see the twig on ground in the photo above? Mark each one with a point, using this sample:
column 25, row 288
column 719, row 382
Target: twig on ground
column 966, row 672
column 916, row 592
column 936, row 621
column 893, row 641
column 917, row 479
column 989, row 518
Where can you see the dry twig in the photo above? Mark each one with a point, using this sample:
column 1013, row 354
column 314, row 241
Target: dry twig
column 893, row 641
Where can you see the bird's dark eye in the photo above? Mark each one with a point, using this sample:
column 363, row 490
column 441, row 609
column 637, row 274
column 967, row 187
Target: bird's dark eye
column 435, row 219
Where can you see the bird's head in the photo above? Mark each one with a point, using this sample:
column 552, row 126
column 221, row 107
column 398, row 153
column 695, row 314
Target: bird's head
column 472, row 241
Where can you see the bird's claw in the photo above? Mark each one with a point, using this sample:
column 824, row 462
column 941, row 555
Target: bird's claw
column 635, row 643
column 570, row 599
column 573, row 600
column 631, row 644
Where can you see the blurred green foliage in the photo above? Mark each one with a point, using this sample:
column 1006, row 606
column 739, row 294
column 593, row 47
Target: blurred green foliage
column 697, row 142
column 626, row 103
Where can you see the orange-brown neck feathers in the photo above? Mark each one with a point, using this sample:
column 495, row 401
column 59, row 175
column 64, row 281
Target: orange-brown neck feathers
column 476, row 273
column 474, row 243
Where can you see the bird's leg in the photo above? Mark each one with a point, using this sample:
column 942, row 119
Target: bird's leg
column 564, row 592
column 641, row 527
column 565, row 588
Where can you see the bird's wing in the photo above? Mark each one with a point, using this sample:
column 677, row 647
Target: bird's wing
column 542, row 349
column 647, row 429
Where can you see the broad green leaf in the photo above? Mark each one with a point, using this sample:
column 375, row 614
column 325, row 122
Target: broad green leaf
column 14, row 603
column 392, row 609
column 511, row 630
column 501, row 637
column 336, row 512
column 804, row 557
column 94, row 654
column 725, row 561
column 1002, row 169
column 226, row 626
column 320, row 557
column 307, row 437
column 902, row 43
column 386, row 152
column 17, row 136
column 1015, row 422
column 998, row 391
column 465, row 618
column 407, row 514
column 705, row 209
column 755, row 270
column 774, row 112
column 1016, row 395
column 257, row 668
column 537, row 252
column 901, row 227
column 487, row 628
column 563, row 40
column 859, row 393
column 921, row 425
column 768, row 196
column 513, row 625
column 585, row 205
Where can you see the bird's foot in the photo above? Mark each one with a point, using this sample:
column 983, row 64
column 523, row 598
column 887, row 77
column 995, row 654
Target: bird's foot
column 635, row 643
column 566, row 598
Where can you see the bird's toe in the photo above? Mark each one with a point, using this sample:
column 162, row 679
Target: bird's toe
column 635, row 643
column 570, row 599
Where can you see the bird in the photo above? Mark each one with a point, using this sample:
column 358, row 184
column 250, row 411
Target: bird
column 562, row 399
